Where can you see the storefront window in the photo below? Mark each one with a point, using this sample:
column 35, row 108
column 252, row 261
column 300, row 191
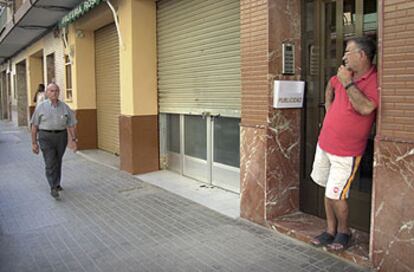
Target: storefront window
column 173, row 133
column 227, row 141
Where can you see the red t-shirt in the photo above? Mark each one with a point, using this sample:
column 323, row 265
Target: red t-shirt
column 345, row 131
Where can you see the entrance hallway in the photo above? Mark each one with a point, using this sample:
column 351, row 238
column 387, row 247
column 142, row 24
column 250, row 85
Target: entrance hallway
column 108, row 220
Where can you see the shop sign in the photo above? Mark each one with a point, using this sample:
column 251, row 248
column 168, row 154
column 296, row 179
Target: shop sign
column 77, row 12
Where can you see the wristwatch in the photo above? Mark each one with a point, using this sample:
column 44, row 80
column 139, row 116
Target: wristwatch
column 349, row 85
column 75, row 140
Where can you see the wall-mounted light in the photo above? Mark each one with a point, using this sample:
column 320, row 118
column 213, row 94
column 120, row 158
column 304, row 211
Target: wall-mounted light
column 80, row 34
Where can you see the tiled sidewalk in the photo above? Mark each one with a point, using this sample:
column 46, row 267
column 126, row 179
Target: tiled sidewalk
column 107, row 220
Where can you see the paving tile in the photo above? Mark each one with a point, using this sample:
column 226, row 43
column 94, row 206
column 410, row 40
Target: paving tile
column 108, row 220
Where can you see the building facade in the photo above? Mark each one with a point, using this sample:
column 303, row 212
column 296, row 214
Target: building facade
column 189, row 86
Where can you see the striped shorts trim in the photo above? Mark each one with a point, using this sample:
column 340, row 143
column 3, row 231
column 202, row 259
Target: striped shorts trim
column 335, row 173
column 345, row 192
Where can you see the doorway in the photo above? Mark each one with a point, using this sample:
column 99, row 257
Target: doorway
column 21, row 91
column 108, row 99
column 328, row 25
column 4, row 96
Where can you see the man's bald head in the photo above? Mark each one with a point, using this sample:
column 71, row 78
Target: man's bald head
column 52, row 92
column 53, row 86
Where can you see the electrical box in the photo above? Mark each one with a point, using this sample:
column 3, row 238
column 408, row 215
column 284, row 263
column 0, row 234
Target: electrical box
column 288, row 59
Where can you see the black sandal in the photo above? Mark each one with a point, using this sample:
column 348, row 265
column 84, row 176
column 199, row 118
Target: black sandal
column 323, row 239
column 341, row 242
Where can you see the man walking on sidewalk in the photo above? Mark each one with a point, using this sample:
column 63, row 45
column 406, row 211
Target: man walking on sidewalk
column 351, row 98
column 51, row 122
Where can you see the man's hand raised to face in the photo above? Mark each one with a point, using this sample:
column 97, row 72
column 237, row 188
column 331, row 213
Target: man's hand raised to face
column 344, row 75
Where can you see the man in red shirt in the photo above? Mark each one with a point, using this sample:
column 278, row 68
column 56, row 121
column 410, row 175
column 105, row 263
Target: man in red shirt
column 351, row 99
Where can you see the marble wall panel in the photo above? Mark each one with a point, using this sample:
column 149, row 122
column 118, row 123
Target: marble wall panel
column 283, row 142
column 392, row 232
column 284, row 26
column 252, row 173
column 282, row 153
column 270, row 154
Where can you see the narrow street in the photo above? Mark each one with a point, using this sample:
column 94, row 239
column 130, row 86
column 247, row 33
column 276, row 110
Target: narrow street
column 108, row 220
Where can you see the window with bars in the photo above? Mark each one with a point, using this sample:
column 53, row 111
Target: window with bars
column 68, row 78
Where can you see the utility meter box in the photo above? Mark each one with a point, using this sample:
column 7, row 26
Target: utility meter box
column 288, row 94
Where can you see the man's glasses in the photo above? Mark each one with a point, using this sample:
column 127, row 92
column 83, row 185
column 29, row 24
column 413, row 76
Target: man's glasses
column 352, row 51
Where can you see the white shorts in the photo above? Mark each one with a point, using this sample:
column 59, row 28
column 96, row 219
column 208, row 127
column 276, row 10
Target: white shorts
column 335, row 173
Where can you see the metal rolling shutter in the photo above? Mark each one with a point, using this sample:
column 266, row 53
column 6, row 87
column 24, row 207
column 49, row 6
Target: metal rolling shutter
column 107, row 88
column 199, row 56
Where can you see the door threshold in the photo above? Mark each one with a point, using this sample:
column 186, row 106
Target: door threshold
column 304, row 227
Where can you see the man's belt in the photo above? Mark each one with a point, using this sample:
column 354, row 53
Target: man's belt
column 53, row 131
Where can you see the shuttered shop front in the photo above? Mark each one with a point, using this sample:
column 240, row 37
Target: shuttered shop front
column 107, row 88
column 199, row 56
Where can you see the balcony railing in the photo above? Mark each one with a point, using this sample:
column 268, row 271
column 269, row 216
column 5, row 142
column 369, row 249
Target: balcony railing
column 3, row 19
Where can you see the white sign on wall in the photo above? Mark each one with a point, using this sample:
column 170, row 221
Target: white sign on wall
column 288, row 94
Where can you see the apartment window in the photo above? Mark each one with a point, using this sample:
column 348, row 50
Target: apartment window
column 50, row 66
column 68, row 73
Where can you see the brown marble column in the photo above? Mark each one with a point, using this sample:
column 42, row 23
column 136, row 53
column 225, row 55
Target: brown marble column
column 282, row 175
column 283, row 133
column 139, row 148
column 252, row 174
column 270, row 145
column 392, row 234
column 254, row 108
column 392, row 218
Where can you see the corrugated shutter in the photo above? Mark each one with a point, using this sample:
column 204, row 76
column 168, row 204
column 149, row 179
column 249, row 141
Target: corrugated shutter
column 199, row 56
column 107, row 88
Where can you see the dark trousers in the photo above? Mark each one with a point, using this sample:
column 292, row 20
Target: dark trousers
column 53, row 146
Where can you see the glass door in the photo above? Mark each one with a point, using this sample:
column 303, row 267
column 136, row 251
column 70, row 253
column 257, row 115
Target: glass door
column 329, row 25
column 206, row 148
column 226, row 153
column 196, row 157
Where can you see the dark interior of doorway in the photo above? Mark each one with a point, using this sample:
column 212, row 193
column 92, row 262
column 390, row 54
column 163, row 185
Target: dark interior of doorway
column 323, row 45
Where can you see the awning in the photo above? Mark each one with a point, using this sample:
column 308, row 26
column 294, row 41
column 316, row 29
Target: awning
column 31, row 21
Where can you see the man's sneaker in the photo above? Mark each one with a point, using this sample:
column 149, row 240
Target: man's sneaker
column 54, row 192
column 59, row 188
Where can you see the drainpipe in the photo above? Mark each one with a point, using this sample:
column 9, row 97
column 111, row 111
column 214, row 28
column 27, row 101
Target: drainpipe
column 65, row 41
column 116, row 23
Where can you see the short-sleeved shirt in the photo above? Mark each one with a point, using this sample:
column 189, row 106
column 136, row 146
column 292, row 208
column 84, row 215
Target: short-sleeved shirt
column 48, row 117
column 345, row 131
